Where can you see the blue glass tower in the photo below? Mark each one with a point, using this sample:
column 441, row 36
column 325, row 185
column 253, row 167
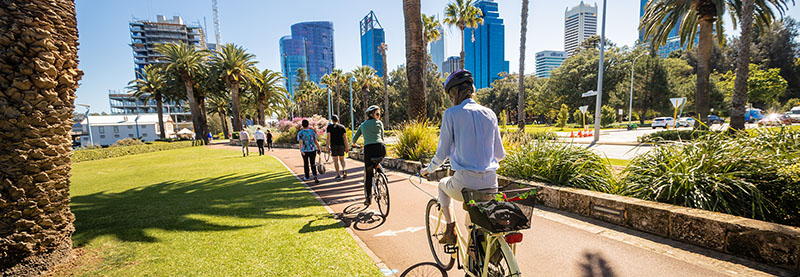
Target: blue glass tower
column 485, row 55
column 673, row 41
column 372, row 36
column 309, row 47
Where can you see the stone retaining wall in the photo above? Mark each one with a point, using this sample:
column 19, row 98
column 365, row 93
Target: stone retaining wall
column 755, row 240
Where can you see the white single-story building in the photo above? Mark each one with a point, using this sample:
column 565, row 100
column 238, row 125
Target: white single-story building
column 108, row 129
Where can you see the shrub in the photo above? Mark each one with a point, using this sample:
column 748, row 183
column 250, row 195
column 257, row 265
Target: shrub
column 416, row 141
column 563, row 116
column 503, row 119
column 674, row 135
column 513, row 138
column 607, row 116
column 286, row 131
column 127, row 142
column 558, row 164
column 579, row 120
column 81, row 155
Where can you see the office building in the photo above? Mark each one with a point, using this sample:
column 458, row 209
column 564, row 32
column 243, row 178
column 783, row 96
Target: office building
column 310, row 47
column 437, row 51
column 372, row 36
column 125, row 103
column 580, row 22
column 451, row 65
column 673, row 42
column 146, row 34
column 485, row 54
column 548, row 60
column 108, row 129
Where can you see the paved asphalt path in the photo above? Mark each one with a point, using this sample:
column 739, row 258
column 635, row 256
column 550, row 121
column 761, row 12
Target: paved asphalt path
column 558, row 244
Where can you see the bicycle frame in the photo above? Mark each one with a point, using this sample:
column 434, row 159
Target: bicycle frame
column 462, row 246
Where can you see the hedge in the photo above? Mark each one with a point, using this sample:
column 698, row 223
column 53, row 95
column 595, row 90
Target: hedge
column 81, row 155
column 674, row 135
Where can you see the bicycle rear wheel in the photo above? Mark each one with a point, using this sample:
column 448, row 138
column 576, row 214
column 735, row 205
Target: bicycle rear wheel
column 381, row 193
column 435, row 226
column 424, row 269
column 499, row 264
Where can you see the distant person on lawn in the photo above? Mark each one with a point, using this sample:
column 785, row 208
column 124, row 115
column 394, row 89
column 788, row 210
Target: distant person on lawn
column 337, row 145
column 309, row 148
column 260, row 138
column 269, row 140
column 244, row 137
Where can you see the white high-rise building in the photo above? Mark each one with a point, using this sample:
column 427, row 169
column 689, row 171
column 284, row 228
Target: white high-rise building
column 580, row 22
column 437, row 51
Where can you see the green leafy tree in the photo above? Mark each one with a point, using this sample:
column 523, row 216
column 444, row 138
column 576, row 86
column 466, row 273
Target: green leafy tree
column 151, row 85
column 607, row 116
column 778, row 47
column 463, row 14
column 563, row 116
column 185, row 63
column 764, row 87
column 503, row 118
column 220, row 106
column 234, row 64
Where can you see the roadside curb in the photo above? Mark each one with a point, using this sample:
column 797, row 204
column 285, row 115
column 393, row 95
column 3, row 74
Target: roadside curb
column 609, row 143
column 375, row 259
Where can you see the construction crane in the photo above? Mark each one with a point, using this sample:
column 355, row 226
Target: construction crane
column 217, row 34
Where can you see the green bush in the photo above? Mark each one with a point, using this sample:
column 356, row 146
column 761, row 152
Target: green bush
column 607, row 116
column 502, row 119
column 416, row 141
column 579, row 120
column 127, row 142
column 513, row 138
column 81, row 155
column 289, row 136
column 563, row 116
column 674, row 135
column 558, row 164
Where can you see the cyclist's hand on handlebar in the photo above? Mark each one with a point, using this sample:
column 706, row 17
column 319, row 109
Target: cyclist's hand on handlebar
column 424, row 172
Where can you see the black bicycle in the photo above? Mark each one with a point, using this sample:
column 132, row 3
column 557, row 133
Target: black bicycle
column 380, row 187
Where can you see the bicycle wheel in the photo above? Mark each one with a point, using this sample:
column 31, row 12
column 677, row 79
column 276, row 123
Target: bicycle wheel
column 424, row 269
column 381, row 193
column 499, row 265
column 435, row 226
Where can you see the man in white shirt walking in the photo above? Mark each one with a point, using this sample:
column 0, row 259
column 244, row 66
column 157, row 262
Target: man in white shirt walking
column 260, row 137
column 244, row 137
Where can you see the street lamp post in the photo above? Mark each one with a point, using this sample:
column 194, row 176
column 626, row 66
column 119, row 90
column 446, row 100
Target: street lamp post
column 88, row 127
column 329, row 104
column 630, row 103
column 599, row 101
column 352, row 122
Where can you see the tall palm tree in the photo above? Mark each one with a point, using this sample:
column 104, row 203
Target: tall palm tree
column 234, row 63
column 463, row 14
column 185, row 62
column 382, row 49
column 430, row 33
column 36, row 229
column 267, row 88
column 366, row 80
column 701, row 19
column 219, row 105
column 415, row 60
column 151, row 85
column 521, row 94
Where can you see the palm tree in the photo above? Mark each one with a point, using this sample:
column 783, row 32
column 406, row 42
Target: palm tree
column 521, row 96
column 416, row 61
column 35, row 148
column 701, row 19
column 366, row 80
column 430, row 33
column 185, row 61
column 234, row 62
column 219, row 105
column 267, row 88
column 382, row 49
column 463, row 14
column 151, row 85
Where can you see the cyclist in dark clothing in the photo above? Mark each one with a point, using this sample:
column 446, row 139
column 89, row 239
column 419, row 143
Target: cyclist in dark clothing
column 372, row 129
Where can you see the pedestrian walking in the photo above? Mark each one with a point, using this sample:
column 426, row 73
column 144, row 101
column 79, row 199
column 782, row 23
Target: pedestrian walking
column 338, row 144
column 309, row 148
column 269, row 140
column 244, row 137
column 260, row 138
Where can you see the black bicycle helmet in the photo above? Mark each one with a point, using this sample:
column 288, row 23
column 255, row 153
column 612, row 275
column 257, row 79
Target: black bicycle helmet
column 457, row 78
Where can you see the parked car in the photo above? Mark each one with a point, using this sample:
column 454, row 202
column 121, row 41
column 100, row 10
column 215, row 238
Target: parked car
column 662, row 122
column 753, row 115
column 794, row 114
column 715, row 119
column 774, row 120
column 685, row 122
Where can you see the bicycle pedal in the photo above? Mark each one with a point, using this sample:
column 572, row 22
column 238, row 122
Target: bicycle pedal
column 450, row 249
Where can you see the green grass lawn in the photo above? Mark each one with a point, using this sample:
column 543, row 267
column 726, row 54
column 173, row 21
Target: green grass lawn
column 208, row 212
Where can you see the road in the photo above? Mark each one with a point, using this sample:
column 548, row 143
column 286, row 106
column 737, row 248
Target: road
column 558, row 244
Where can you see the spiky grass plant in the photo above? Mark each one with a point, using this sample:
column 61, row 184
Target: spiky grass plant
column 416, row 141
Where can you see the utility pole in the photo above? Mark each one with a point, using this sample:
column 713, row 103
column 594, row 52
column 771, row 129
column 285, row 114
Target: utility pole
column 599, row 102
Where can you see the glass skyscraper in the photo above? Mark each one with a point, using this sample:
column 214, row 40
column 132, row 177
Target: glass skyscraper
column 310, row 47
column 372, row 36
column 580, row 22
column 548, row 60
column 485, row 54
column 437, row 51
column 673, row 41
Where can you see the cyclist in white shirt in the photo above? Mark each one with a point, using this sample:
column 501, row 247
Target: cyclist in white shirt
column 469, row 136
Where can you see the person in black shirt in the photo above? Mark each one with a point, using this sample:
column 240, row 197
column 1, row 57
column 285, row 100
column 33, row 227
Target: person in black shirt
column 337, row 145
column 269, row 140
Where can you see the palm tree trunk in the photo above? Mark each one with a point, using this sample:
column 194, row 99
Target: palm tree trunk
column 262, row 102
column 237, row 117
column 201, row 102
column 364, row 99
column 415, row 60
column 703, row 68
column 742, row 67
column 160, row 108
column 224, row 119
column 36, row 227
column 521, row 97
column 197, row 113
column 463, row 54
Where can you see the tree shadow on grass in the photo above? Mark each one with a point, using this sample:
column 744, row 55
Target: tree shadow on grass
column 180, row 206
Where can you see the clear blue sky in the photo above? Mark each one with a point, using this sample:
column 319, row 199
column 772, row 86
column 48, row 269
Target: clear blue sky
column 107, row 61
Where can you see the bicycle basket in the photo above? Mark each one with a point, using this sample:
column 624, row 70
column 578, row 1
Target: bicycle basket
column 503, row 209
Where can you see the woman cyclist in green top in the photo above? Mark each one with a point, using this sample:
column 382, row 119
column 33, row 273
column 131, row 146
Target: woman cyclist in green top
column 372, row 129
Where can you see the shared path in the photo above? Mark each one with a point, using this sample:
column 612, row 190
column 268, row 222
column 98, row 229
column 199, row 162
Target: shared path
column 557, row 244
